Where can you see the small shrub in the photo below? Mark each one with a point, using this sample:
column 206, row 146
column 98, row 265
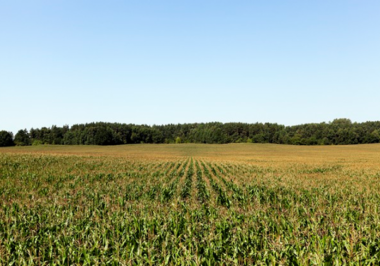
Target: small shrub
column 37, row 142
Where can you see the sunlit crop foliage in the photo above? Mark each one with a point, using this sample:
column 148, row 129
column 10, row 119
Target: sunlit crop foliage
column 70, row 209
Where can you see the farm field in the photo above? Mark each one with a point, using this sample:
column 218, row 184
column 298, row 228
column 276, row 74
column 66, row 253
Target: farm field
column 190, row 204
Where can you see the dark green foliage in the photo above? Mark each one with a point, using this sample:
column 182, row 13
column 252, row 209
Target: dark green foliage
column 6, row 139
column 339, row 132
column 22, row 138
column 53, row 135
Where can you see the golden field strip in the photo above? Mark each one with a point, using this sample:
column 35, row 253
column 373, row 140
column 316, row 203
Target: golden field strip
column 190, row 204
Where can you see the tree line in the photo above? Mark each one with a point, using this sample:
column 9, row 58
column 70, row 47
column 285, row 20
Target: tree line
column 338, row 132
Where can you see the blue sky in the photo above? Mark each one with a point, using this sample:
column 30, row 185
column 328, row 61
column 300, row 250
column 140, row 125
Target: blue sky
column 158, row 62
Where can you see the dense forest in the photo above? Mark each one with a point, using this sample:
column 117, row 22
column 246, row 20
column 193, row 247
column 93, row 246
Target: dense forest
column 338, row 132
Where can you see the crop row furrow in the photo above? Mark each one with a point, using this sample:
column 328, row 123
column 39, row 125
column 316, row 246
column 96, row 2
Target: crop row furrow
column 169, row 191
column 186, row 190
column 203, row 193
column 238, row 193
column 222, row 197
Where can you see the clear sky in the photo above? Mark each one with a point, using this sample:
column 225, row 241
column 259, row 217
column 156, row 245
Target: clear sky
column 158, row 62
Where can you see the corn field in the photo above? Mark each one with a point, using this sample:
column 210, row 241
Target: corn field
column 99, row 210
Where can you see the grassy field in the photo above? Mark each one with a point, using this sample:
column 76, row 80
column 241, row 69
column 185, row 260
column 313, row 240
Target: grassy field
column 190, row 204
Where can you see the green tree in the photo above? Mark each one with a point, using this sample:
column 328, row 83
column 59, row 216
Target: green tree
column 375, row 136
column 6, row 139
column 22, row 138
column 341, row 122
